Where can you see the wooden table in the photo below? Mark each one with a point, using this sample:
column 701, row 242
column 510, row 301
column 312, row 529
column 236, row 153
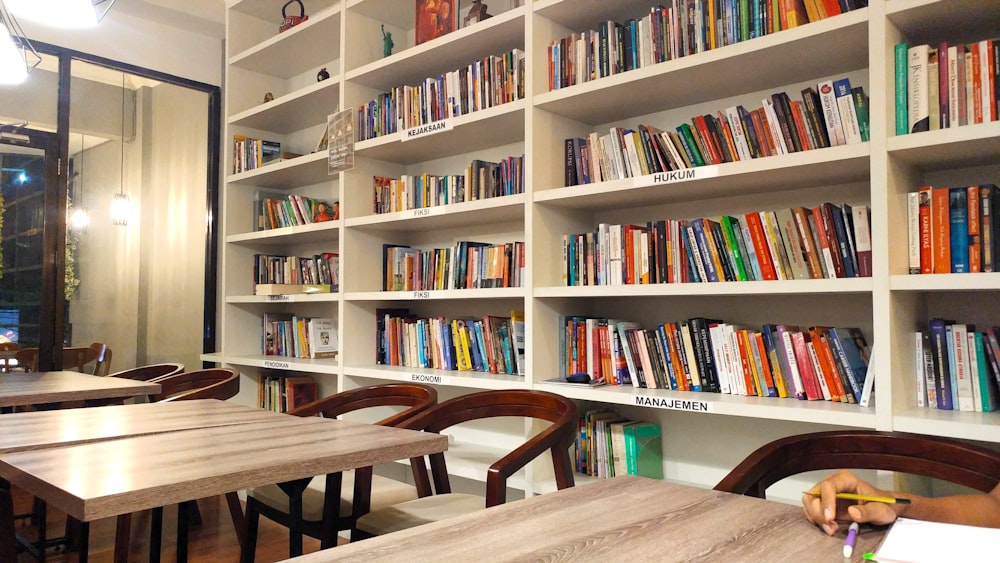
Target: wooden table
column 622, row 519
column 45, row 429
column 34, row 388
column 35, row 430
column 101, row 479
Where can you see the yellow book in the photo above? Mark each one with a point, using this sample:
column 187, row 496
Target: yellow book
column 463, row 333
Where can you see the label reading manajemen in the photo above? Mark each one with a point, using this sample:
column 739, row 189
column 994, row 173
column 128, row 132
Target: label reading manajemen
column 673, row 404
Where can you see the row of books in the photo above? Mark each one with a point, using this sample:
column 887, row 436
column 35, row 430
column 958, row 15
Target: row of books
column 250, row 153
column 299, row 337
column 832, row 114
column 298, row 270
column 467, row 265
column 946, row 85
column 609, row 445
column 281, row 393
column 485, row 83
column 957, row 367
column 824, row 242
column 492, row 344
column 682, row 28
column 953, row 230
column 819, row 363
column 481, row 180
column 274, row 210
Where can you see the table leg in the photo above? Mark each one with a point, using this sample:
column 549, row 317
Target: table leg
column 294, row 491
column 236, row 513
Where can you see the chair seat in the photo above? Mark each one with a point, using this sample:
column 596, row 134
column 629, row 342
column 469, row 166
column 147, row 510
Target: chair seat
column 419, row 511
column 385, row 492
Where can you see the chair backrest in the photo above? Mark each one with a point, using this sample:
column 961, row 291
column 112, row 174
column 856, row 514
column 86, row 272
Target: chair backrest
column 27, row 359
column 215, row 383
column 939, row 458
column 151, row 372
column 542, row 405
column 416, row 396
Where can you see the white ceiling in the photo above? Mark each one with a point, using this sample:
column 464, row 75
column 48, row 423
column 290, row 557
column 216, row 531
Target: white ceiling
column 207, row 17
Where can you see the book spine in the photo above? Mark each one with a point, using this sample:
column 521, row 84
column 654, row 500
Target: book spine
column 902, row 105
column 913, row 231
column 942, row 381
column 974, row 229
column 916, row 92
column 848, row 115
column 941, row 230
column 831, row 113
column 958, row 213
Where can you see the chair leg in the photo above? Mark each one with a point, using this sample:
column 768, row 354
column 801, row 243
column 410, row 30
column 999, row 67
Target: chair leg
column 123, row 537
column 248, row 548
column 184, row 511
column 236, row 513
column 194, row 513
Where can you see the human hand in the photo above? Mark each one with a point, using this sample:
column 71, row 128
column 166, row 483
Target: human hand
column 825, row 509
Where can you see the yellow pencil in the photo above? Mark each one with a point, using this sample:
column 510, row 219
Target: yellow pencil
column 867, row 498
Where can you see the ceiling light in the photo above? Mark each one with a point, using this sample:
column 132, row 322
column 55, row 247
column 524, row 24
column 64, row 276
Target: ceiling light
column 17, row 56
column 62, row 13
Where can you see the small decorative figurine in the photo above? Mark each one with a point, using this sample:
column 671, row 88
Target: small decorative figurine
column 287, row 21
column 322, row 75
column 268, row 97
column 477, row 13
column 387, row 43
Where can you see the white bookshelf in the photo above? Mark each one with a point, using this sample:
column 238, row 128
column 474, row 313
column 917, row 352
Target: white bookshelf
column 345, row 37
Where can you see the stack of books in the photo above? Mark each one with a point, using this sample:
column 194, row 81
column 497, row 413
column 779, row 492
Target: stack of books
column 708, row 355
column 953, row 230
column 609, row 445
column 825, row 242
column 958, row 368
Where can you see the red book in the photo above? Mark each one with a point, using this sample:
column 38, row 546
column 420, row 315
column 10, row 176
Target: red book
column 826, row 216
column 760, row 124
column 826, row 361
column 707, row 140
column 926, row 256
column 760, row 246
column 800, row 125
column 813, row 392
column 744, row 354
column 977, row 85
column 940, row 231
column 832, row 7
column 670, row 329
column 975, row 230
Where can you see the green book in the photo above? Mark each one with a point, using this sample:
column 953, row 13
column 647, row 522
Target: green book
column 733, row 247
column 988, row 392
column 902, row 103
column 644, row 450
column 690, row 145
column 861, row 108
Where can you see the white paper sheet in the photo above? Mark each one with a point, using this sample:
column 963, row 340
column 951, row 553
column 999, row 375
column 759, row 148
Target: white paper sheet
column 918, row 541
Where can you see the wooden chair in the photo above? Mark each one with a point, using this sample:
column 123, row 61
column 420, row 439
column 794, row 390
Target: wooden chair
column 556, row 438
column 214, row 383
column 940, row 458
column 327, row 510
column 151, row 373
column 74, row 358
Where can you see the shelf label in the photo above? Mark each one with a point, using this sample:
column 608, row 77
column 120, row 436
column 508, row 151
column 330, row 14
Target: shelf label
column 283, row 297
column 427, row 378
column 277, row 365
column 428, row 129
column 421, row 295
column 674, row 176
column 672, row 404
column 429, row 211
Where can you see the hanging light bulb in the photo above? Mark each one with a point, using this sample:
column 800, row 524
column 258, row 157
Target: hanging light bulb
column 62, row 13
column 121, row 208
column 80, row 219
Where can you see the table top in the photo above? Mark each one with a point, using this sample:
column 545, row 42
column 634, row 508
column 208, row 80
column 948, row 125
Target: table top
column 622, row 519
column 40, row 429
column 107, row 478
column 32, row 388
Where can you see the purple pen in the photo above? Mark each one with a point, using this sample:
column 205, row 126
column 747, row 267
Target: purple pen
column 852, row 536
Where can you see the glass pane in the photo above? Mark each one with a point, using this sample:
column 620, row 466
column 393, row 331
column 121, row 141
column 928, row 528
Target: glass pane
column 140, row 285
column 23, row 189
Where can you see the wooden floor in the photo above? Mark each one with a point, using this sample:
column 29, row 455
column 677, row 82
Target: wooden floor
column 213, row 541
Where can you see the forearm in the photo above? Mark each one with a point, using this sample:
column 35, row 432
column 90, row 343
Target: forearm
column 971, row 510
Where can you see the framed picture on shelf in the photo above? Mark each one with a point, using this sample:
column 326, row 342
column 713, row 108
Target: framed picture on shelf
column 475, row 11
column 434, row 18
